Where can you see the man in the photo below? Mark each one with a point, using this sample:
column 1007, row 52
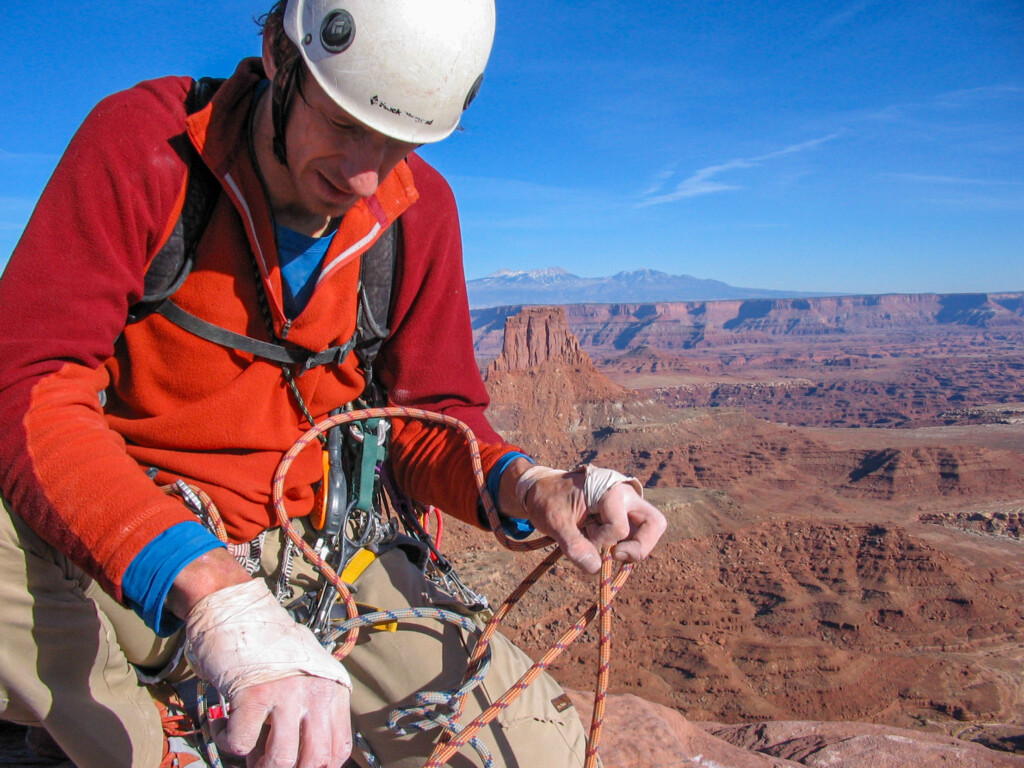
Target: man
column 312, row 147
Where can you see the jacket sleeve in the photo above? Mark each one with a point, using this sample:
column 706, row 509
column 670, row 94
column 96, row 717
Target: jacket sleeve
column 64, row 295
column 428, row 360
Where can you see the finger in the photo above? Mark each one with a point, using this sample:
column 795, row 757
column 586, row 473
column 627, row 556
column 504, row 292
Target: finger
column 612, row 511
column 255, row 757
column 341, row 748
column 244, row 725
column 282, row 747
column 605, row 535
column 319, row 728
column 578, row 550
column 649, row 526
column 317, row 745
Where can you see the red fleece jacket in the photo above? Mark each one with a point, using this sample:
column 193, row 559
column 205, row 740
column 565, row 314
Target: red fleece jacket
column 213, row 416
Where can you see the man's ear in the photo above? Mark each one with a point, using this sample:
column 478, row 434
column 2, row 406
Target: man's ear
column 269, row 65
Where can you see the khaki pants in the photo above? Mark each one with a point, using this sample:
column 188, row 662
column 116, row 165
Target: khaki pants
column 67, row 649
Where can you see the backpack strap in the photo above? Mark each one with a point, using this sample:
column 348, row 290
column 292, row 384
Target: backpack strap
column 265, row 349
column 173, row 262
column 376, row 280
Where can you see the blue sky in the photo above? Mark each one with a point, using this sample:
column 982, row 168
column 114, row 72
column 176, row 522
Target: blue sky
column 853, row 146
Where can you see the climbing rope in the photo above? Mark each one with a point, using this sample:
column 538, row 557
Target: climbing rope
column 428, row 705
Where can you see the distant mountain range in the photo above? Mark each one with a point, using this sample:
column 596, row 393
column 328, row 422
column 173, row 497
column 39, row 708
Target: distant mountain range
column 558, row 286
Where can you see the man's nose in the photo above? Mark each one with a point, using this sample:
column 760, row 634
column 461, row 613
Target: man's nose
column 362, row 163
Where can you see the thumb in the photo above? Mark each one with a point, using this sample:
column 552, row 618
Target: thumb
column 578, row 550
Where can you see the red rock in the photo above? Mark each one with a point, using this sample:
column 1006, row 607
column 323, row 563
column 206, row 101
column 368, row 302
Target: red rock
column 537, row 336
column 638, row 734
column 861, row 745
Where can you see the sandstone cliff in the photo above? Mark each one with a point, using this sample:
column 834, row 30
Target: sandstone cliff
column 686, row 325
column 540, row 337
column 547, row 393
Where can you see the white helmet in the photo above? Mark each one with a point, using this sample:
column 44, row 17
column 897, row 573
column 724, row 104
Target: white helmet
column 406, row 68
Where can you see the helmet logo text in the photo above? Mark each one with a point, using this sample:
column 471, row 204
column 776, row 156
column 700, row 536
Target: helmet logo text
column 376, row 100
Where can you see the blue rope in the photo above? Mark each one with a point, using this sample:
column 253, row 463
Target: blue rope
column 430, row 706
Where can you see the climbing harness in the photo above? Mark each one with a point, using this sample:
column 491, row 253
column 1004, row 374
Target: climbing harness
column 430, row 709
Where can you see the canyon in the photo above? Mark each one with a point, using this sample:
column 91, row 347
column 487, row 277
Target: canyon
column 844, row 483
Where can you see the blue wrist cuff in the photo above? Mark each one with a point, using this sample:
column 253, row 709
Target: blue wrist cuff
column 150, row 575
column 514, row 527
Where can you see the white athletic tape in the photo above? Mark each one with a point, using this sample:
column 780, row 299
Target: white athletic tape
column 529, row 479
column 241, row 636
column 596, row 481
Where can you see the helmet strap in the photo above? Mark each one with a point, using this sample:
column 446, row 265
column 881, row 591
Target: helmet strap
column 282, row 92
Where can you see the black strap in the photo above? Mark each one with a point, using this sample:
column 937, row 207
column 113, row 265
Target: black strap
column 173, row 262
column 376, row 279
column 264, row 349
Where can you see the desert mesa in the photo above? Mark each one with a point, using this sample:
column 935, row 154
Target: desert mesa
column 844, row 480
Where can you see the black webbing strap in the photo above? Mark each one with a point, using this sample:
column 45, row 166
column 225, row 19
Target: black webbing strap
column 173, row 262
column 376, row 280
column 264, row 349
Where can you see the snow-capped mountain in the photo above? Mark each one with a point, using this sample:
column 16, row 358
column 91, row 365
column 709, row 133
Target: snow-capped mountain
column 555, row 285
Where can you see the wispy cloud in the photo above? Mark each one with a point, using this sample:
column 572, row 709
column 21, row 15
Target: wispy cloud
column 705, row 182
column 979, row 202
column 983, row 93
column 964, row 193
column 935, row 107
column 837, row 21
column 951, row 180
column 35, row 157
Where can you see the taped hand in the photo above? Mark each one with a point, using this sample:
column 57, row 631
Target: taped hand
column 607, row 504
column 289, row 698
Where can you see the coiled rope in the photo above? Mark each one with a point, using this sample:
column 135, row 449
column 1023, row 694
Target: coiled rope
column 454, row 736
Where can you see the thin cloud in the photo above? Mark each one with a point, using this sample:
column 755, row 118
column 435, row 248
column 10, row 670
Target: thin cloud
column 14, row 157
column 979, row 202
column 960, row 99
column 839, row 20
column 953, row 180
column 660, row 181
column 703, row 181
column 984, row 92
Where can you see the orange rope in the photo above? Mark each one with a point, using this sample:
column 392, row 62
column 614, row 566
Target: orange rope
column 610, row 585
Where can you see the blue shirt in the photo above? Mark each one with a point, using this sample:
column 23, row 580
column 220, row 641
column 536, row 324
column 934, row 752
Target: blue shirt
column 301, row 257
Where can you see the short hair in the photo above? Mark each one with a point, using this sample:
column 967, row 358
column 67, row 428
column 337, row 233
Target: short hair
column 271, row 24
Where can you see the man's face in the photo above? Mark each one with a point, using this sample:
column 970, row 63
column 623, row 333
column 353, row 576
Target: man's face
column 333, row 159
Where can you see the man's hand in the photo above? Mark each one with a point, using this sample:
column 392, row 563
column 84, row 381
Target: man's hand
column 557, row 505
column 267, row 720
column 288, row 697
